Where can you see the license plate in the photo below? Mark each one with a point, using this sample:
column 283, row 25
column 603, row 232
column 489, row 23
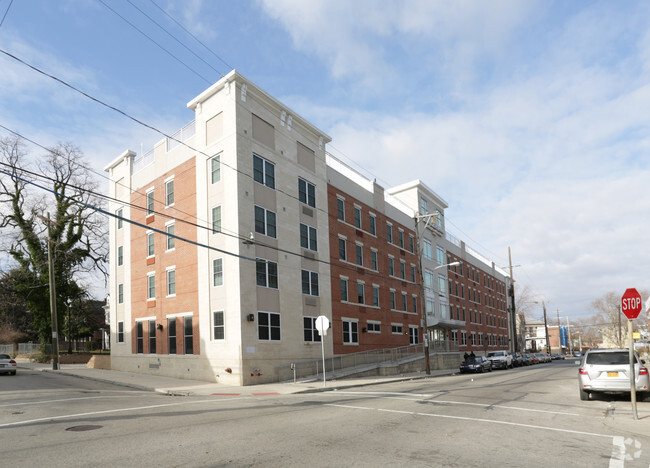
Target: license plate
column 612, row 374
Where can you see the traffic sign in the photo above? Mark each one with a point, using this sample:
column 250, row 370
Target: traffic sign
column 631, row 303
column 322, row 325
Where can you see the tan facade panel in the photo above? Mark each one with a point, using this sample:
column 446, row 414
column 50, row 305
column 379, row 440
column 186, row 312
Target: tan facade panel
column 214, row 129
column 263, row 132
column 306, row 157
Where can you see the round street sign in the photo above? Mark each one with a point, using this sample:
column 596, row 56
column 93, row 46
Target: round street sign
column 322, row 324
column 631, row 303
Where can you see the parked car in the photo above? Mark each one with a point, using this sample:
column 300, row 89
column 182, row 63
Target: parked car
column 500, row 359
column 534, row 358
column 526, row 360
column 517, row 360
column 7, row 365
column 608, row 370
column 543, row 357
column 476, row 364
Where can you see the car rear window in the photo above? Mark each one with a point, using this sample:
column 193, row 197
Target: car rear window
column 608, row 358
column 5, row 356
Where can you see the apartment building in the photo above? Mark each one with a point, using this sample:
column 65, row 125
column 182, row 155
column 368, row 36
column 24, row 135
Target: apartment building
column 220, row 244
column 374, row 270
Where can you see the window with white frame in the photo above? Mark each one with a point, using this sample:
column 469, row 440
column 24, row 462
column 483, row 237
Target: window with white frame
column 139, row 337
column 402, row 269
column 404, row 301
column 265, row 221
column 429, row 306
column 357, row 216
column 188, row 336
column 340, row 209
column 454, row 336
column 361, row 295
column 152, row 337
column 389, row 232
column 150, row 195
column 267, row 274
column 413, row 273
column 373, row 326
column 350, row 331
column 373, row 259
column 120, row 216
column 424, row 206
column 307, row 192
column 442, row 284
column 427, row 250
column 373, row 224
column 120, row 332
column 392, row 300
column 171, row 240
column 344, row 289
column 400, row 237
column 375, row 295
column 169, row 192
column 463, row 338
column 440, row 255
column 151, row 286
column 342, row 249
column 428, row 279
column 263, row 171
column 359, row 251
column 310, row 333
column 414, row 298
column 411, row 243
column 308, row 237
column 218, row 325
column 215, row 169
column 310, row 282
column 120, row 293
column 171, row 282
column 216, row 219
column 150, row 244
column 217, row 272
column 414, row 335
column 397, row 328
column 268, row 326
column 391, row 266
column 120, row 255
column 171, row 335
column 443, row 311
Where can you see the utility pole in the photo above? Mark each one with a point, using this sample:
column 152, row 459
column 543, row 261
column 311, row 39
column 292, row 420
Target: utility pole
column 559, row 332
column 55, row 327
column 423, row 313
column 511, row 292
column 548, row 344
column 620, row 340
column 568, row 334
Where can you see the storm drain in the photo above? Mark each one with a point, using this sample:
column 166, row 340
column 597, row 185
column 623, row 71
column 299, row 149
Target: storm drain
column 83, row 428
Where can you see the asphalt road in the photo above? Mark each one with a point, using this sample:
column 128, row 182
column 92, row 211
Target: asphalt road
column 521, row 417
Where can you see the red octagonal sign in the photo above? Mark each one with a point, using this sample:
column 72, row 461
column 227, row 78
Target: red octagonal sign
column 631, row 303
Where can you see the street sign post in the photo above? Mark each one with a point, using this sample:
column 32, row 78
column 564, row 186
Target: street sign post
column 631, row 306
column 322, row 325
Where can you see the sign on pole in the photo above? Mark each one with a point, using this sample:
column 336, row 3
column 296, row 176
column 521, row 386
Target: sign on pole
column 631, row 303
column 322, row 325
column 631, row 307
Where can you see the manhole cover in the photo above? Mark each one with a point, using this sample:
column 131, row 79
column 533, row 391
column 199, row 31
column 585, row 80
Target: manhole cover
column 83, row 428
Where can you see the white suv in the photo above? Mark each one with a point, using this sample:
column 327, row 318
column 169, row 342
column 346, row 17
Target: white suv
column 500, row 359
column 608, row 370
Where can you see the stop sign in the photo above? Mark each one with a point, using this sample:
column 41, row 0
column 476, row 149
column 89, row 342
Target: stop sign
column 631, row 303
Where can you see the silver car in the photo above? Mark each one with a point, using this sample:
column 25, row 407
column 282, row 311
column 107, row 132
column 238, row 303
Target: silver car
column 608, row 370
column 7, row 365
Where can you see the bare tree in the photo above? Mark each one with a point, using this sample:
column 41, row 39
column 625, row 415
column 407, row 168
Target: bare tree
column 62, row 186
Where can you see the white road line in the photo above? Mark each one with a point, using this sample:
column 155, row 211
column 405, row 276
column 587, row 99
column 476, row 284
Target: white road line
column 422, row 395
column 68, row 399
column 617, row 460
column 137, row 408
column 465, row 418
column 380, row 395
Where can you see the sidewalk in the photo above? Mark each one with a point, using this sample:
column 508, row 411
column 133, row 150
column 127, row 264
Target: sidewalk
column 183, row 387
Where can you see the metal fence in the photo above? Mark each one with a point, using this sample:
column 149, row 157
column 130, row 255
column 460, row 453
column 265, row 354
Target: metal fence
column 6, row 348
column 313, row 367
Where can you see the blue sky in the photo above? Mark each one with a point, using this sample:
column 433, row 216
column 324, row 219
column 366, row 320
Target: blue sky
column 529, row 117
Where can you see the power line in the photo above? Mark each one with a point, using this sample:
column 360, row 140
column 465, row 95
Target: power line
column 156, row 43
column 6, row 11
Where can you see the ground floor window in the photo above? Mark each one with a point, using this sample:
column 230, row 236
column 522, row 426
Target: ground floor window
column 171, row 335
column 350, row 332
column 309, row 327
column 218, row 325
column 414, row 337
column 188, row 337
column 152, row 337
column 120, row 332
column 139, row 338
column 268, row 326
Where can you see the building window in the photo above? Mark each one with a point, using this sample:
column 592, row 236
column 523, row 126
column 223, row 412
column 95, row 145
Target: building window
column 400, row 238
column 463, row 338
column 344, row 290
column 150, row 194
column 342, row 250
column 150, row 245
column 396, row 328
column 265, row 222
column 120, row 255
column 217, row 272
column 375, row 296
column 171, row 282
column 340, row 209
column 428, row 279
column 429, row 306
column 310, row 332
column 307, row 192
column 120, row 293
column 215, row 169
column 268, row 326
column 218, row 325
column 359, row 255
column 357, row 217
column 120, row 215
column 310, row 283
column 426, row 250
column 120, row 332
column 308, row 237
column 472, row 338
column 171, row 241
column 411, row 244
column 171, row 335
column 392, row 300
column 414, row 336
column 361, row 293
column 139, row 338
column 216, row 219
column 188, row 336
column 424, row 209
column 267, row 274
column 373, row 227
column 263, row 171
column 391, row 266
column 413, row 273
column 374, row 327
column 389, row 233
column 442, row 288
column 415, row 304
column 350, row 332
column 373, row 259
column 440, row 255
column 151, row 286
column 152, row 337
column 443, row 311
column 169, row 192
column 402, row 269
column 454, row 336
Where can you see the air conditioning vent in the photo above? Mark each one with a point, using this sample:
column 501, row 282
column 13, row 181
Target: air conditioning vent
column 307, row 211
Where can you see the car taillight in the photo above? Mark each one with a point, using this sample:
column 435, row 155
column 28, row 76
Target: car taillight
column 583, row 371
column 643, row 371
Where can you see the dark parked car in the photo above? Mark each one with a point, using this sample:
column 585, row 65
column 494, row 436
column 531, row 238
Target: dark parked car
column 476, row 364
column 517, row 360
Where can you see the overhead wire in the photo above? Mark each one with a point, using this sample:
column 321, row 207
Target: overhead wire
column 6, row 11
